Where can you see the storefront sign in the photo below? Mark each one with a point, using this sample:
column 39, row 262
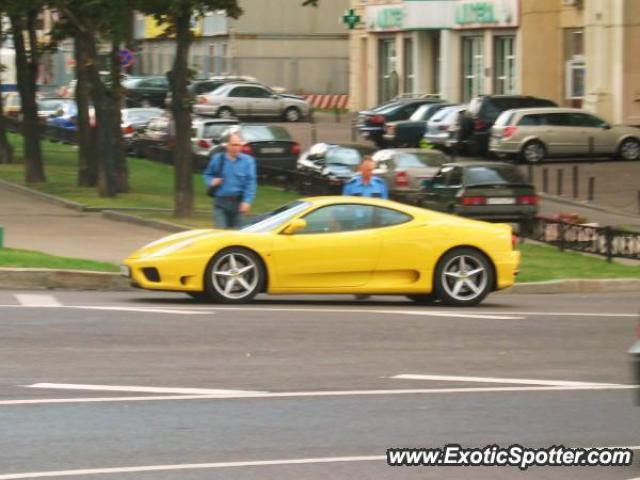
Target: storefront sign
column 486, row 13
column 385, row 18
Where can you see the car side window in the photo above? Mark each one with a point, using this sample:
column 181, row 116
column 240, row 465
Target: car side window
column 238, row 92
column 455, row 177
column 340, row 218
column 439, row 179
column 257, row 92
column 386, row 217
column 532, row 120
column 558, row 119
column 585, row 120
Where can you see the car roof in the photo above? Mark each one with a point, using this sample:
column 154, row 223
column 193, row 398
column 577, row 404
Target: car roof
column 479, row 163
column 525, row 111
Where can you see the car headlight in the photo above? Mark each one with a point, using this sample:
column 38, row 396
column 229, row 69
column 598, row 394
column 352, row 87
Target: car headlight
column 171, row 248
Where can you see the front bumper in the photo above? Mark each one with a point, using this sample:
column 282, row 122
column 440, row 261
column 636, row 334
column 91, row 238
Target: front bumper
column 507, row 269
column 181, row 273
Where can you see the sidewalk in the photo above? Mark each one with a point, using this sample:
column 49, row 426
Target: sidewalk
column 33, row 224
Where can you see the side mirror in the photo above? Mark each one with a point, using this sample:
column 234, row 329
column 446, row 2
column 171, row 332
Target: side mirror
column 295, row 226
column 275, row 96
column 606, row 126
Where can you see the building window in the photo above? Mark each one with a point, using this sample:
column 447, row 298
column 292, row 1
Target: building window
column 388, row 78
column 505, row 65
column 575, row 69
column 473, row 58
column 409, row 76
column 437, row 63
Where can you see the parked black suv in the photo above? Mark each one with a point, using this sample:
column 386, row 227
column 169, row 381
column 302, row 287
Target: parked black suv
column 483, row 110
column 371, row 123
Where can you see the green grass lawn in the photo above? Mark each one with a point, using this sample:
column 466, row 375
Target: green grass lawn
column 28, row 259
column 540, row 263
column 151, row 183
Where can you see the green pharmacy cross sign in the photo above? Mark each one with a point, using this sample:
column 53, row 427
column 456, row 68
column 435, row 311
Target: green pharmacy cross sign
column 350, row 18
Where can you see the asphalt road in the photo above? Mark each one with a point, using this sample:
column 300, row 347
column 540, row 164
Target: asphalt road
column 156, row 386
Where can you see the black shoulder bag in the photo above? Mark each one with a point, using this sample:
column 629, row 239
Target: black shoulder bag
column 211, row 190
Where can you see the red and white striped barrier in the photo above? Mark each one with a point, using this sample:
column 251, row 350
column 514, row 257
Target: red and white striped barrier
column 327, row 101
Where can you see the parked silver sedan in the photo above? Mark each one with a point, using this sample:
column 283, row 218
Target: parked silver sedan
column 404, row 170
column 251, row 100
column 533, row 134
column 443, row 127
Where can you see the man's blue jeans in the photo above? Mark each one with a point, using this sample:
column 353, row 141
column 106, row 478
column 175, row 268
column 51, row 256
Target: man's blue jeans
column 225, row 212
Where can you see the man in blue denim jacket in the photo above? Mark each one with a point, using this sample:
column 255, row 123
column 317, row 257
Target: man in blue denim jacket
column 236, row 183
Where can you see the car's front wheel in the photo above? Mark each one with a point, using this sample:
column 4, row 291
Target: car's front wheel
column 234, row 275
column 463, row 277
column 292, row 114
column 629, row 149
column 533, row 152
column 225, row 112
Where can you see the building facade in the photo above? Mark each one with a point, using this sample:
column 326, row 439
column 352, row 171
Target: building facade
column 281, row 43
column 575, row 52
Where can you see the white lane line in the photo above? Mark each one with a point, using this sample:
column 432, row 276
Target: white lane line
column 171, row 311
column 569, row 314
column 417, row 311
column 36, row 300
column 516, row 381
column 207, row 466
column 191, row 466
column 137, row 389
column 317, row 394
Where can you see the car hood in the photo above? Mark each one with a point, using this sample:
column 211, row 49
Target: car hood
column 339, row 170
column 290, row 95
column 176, row 238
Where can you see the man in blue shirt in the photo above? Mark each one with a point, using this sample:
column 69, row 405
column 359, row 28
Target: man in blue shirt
column 234, row 175
column 365, row 184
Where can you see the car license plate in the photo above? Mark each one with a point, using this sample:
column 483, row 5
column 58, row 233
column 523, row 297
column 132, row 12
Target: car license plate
column 125, row 271
column 501, row 201
column 272, row 150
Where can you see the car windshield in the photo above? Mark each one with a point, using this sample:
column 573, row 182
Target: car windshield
column 221, row 90
column 343, row 156
column 419, row 160
column 260, row 133
column 214, row 130
column 440, row 115
column 276, row 218
column 384, row 107
column 489, row 175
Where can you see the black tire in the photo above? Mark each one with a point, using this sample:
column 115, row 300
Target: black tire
column 457, row 290
column 629, row 149
column 424, row 299
column 225, row 112
column 292, row 114
column 216, row 284
column 533, row 152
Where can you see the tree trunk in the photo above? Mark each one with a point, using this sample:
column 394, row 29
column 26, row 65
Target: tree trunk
column 182, row 118
column 26, row 71
column 107, row 184
column 87, row 151
column 120, row 159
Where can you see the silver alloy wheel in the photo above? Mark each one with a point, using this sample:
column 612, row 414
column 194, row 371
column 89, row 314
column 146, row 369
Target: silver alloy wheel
column 225, row 113
column 292, row 114
column 533, row 152
column 630, row 150
column 464, row 278
column 235, row 275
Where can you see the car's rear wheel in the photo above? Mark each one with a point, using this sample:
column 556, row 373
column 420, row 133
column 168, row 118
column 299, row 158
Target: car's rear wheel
column 424, row 299
column 234, row 275
column 533, row 152
column 225, row 112
column 629, row 149
column 292, row 114
column 463, row 277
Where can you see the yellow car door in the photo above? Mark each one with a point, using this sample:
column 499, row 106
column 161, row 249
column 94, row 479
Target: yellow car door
column 339, row 247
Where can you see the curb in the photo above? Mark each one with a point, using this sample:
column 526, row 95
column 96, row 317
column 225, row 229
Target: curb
column 145, row 222
column 44, row 278
column 42, row 196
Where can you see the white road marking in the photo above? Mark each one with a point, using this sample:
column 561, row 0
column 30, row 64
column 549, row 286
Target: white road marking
column 516, row 381
column 417, row 311
column 570, row 314
column 317, row 394
column 136, row 389
column 171, row 311
column 209, row 466
column 190, row 466
column 37, row 300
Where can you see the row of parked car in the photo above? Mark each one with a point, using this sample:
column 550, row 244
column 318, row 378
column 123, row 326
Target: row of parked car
column 515, row 127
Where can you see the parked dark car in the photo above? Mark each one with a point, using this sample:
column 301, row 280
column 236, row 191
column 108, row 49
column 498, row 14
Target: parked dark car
column 204, row 86
column 325, row 167
column 371, row 123
column 146, row 91
column 483, row 190
column 482, row 113
column 404, row 170
column 409, row 133
column 271, row 146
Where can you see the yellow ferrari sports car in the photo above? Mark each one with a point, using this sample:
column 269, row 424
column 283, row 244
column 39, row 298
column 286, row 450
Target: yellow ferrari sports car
column 335, row 245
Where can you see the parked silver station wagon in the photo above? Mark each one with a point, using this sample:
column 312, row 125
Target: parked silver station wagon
column 251, row 100
column 533, row 134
